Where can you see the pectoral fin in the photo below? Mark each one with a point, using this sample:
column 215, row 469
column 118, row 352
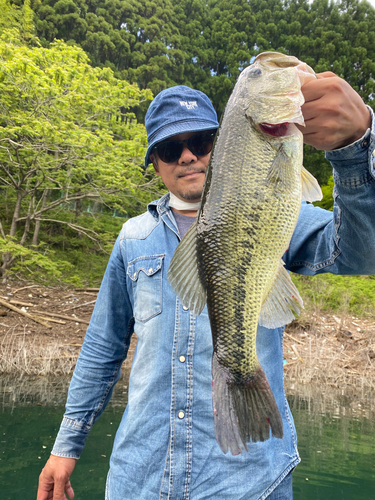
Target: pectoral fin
column 282, row 300
column 183, row 274
column 310, row 187
column 278, row 171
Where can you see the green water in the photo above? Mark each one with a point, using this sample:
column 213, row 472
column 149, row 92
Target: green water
column 336, row 444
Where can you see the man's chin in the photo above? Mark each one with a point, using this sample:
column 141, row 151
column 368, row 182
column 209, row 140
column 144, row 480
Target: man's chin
column 191, row 197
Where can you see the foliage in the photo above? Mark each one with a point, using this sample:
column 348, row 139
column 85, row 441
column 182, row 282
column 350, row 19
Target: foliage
column 206, row 43
column 155, row 44
column 138, row 39
column 327, row 201
column 26, row 258
column 67, row 135
column 64, row 244
column 19, row 18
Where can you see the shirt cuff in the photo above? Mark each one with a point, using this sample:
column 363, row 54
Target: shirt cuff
column 356, row 161
column 70, row 440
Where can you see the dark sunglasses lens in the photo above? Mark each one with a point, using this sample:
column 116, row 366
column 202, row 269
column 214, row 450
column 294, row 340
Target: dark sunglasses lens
column 169, row 151
column 201, row 144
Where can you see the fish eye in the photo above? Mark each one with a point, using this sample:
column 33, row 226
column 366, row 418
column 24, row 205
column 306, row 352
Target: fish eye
column 255, row 73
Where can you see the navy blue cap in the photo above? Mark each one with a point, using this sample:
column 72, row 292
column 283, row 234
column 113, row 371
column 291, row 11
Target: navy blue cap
column 175, row 111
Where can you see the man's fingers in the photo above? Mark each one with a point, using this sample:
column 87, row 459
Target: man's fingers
column 62, row 486
column 334, row 114
column 54, row 479
column 317, row 88
column 69, row 490
column 325, row 74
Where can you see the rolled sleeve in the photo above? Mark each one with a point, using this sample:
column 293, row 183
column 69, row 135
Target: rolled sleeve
column 341, row 241
column 99, row 364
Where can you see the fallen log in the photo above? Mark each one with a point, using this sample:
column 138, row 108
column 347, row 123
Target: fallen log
column 23, row 313
column 63, row 316
column 17, row 302
column 24, row 288
column 293, row 338
column 80, row 305
column 51, row 319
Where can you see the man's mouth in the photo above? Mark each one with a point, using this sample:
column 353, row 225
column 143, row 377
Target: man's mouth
column 276, row 130
column 191, row 173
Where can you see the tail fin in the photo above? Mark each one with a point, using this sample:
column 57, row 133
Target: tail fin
column 243, row 411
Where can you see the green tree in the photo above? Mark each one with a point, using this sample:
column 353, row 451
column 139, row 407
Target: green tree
column 206, row 43
column 20, row 18
column 138, row 39
column 66, row 135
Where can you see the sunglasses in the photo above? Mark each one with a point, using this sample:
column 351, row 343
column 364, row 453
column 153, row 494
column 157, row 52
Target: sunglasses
column 198, row 144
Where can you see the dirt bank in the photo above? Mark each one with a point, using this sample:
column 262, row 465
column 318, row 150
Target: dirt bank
column 327, row 349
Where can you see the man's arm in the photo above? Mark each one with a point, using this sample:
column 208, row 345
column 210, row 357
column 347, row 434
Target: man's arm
column 97, row 371
column 342, row 241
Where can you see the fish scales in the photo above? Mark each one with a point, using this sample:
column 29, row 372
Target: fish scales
column 249, row 209
column 241, row 214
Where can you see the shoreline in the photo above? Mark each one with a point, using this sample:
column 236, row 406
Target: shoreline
column 335, row 351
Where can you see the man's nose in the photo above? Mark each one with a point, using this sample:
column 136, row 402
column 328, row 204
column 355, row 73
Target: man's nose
column 187, row 156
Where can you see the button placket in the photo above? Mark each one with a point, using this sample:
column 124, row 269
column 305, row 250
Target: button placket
column 182, row 403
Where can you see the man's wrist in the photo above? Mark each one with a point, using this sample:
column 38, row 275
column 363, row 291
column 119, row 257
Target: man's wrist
column 360, row 132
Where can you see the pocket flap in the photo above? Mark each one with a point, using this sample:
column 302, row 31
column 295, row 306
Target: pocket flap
column 149, row 265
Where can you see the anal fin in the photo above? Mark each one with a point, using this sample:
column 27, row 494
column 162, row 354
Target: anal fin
column 310, row 187
column 282, row 300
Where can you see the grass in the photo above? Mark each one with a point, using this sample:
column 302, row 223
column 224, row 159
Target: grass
column 337, row 294
column 19, row 354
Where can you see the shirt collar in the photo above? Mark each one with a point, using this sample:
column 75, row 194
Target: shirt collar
column 159, row 207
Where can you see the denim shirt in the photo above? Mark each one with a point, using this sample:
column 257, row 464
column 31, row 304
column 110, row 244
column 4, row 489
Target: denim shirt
column 165, row 447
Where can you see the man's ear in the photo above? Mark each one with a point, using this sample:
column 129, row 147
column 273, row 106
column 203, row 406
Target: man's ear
column 155, row 163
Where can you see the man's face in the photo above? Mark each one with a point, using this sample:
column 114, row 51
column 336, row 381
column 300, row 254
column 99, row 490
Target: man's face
column 185, row 177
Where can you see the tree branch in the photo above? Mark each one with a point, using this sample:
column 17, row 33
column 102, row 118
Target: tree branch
column 2, row 231
column 79, row 229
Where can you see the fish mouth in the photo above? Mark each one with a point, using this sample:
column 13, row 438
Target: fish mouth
column 275, row 129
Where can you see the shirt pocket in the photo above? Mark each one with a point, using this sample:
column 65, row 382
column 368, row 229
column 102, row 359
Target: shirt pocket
column 146, row 276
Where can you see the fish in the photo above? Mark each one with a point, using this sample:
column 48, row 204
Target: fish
column 231, row 258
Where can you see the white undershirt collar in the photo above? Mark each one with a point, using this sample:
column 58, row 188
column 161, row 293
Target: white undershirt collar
column 175, row 202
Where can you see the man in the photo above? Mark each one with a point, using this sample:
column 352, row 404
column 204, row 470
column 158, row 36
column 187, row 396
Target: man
column 165, row 446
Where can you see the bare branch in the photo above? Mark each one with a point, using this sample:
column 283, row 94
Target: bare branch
column 13, row 181
column 79, row 229
column 13, row 143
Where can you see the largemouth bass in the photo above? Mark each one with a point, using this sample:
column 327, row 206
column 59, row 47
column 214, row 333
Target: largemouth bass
column 231, row 257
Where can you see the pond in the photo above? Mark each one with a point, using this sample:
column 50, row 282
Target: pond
column 336, row 441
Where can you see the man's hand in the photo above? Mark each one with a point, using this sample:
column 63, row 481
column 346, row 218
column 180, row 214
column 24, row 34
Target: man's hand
column 335, row 115
column 54, row 479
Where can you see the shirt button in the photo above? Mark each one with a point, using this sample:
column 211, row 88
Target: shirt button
column 181, row 414
column 134, row 275
column 182, row 359
column 364, row 143
column 373, row 153
column 150, row 270
column 185, row 308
